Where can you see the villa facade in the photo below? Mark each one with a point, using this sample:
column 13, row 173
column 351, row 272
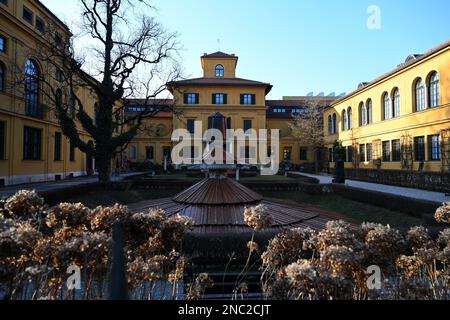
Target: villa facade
column 241, row 102
column 399, row 121
column 32, row 146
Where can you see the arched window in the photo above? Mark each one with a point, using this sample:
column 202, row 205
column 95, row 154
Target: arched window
column 133, row 153
column 72, row 104
column 433, row 90
column 334, row 123
column 350, row 119
column 220, row 71
column 362, row 114
column 396, row 102
column 369, row 111
column 58, row 102
column 2, row 77
column 420, row 95
column 330, row 125
column 95, row 113
column 387, row 111
column 344, row 121
column 32, row 88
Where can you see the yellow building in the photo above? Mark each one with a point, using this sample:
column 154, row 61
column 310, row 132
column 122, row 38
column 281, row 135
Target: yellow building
column 32, row 146
column 241, row 102
column 401, row 120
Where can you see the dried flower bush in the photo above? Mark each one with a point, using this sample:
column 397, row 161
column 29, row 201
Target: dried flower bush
column 332, row 264
column 38, row 244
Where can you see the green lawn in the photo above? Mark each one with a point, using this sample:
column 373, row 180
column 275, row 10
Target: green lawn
column 357, row 211
column 259, row 178
column 275, row 178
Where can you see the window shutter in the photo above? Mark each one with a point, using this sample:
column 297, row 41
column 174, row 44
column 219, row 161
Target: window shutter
column 242, row 99
column 197, row 98
column 253, row 99
column 185, row 98
column 213, row 98
column 225, row 99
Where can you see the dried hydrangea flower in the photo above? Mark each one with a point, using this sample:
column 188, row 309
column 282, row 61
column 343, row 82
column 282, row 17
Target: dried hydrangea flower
column 301, row 272
column 258, row 218
column 24, row 203
column 252, row 246
column 443, row 213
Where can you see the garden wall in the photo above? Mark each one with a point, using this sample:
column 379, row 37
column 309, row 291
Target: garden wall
column 414, row 207
column 433, row 181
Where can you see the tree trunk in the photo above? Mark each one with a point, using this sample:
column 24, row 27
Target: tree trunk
column 103, row 163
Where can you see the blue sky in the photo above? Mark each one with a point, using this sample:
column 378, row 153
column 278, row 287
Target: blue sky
column 300, row 46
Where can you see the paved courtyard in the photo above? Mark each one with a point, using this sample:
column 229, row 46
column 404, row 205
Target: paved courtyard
column 400, row 191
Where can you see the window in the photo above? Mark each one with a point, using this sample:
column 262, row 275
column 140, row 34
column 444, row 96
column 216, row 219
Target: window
column 279, row 110
column 386, row 151
column 362, row 153
column 435, row 147
column 303, row 154
column 72, row 104
column 58, row 75
column 58, row 40
column 297, row 111
column 350, row 154
column 2, row 77
column 5, row 2
column 334, row 123
column 40, row 25
column 219, row 98
column 32, row 141
column 330, row 125
column 362, row 114
column 434, row 90
column 220, row 71
column 32, row 89
column 27, row 15
column 150, row 153
column 387, row 112
column 2, row 44
column 133, row 152
column 72, row 152
column 419, row 148
column 191, row 98
column 58, row 141
column 248, row 99
column 420, row 95
column 396, row 100
column 350, row 119
column 191, row 126
column 369, row 112
column 369, row 148
column 247, row 125
column 2, row 140
column 396, row 151
column 330, row 155
column 287, row 153
column 344, row 121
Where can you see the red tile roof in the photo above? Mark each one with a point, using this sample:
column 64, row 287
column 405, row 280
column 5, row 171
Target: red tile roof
column 220, row 82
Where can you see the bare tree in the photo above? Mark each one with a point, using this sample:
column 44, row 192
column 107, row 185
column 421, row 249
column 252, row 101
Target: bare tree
column 307, row 126
column 128, row 55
